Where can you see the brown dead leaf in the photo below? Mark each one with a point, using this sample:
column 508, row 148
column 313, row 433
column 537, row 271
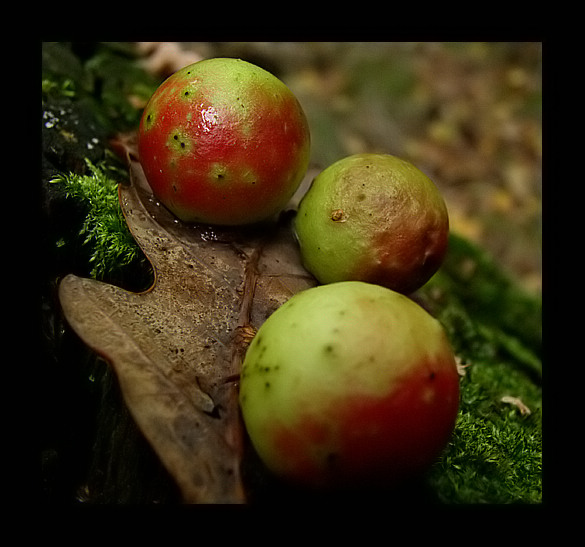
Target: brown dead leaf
column 177, row 347
column 518, row 403
column 461, row 366
column 164, row 58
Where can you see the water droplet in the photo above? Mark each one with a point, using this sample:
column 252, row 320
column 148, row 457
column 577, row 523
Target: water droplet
column 52, row 120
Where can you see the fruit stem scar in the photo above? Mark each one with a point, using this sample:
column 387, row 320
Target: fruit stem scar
column 338, row 215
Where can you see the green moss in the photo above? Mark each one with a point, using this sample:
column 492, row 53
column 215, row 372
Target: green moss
column 105, row 76
column 495, row 455
column 64, row 88
column 113, row 249
column 492, row 461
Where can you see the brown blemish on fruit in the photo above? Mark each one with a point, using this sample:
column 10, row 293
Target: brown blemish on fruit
column 338, row 215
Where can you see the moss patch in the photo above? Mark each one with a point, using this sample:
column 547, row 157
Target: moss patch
column 495, row 455
column 113, row 250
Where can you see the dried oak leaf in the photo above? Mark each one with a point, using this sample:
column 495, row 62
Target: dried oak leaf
column 177, row 347
column 518, row 403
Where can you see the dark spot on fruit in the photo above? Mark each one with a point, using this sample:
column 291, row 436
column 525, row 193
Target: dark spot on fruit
column 331, row 458
column 178, row 142
column 432, row 376
column 149, row 121
column 338, row 215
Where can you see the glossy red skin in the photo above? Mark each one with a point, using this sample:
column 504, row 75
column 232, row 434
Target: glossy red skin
column 220, row 151
column 378, row 440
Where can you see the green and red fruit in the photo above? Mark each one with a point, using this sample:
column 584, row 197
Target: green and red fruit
column 373, row 218
column 349, row 384
column 222, row 141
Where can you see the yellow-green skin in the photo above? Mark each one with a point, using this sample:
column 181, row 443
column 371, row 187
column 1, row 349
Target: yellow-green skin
column 373, row 218
column 347, row 384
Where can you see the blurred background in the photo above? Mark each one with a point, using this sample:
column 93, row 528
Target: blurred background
column 469, row 114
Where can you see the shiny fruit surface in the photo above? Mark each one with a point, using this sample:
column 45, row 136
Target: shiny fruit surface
column 223, row 141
